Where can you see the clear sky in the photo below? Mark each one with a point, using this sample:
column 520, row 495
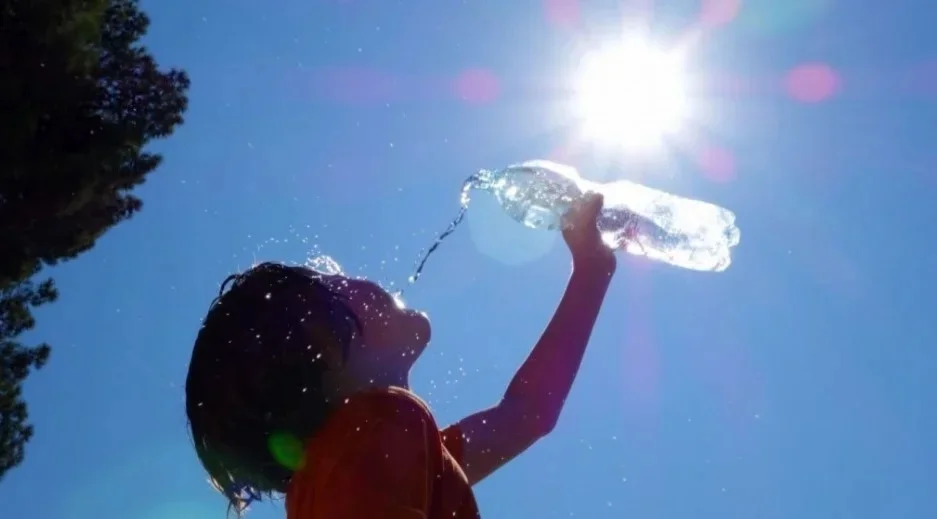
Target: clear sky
column 797, row 384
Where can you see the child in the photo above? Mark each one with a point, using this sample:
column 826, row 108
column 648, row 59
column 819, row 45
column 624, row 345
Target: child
column 298, row 385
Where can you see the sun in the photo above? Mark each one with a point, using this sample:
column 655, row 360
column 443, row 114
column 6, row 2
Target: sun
column 631, row 95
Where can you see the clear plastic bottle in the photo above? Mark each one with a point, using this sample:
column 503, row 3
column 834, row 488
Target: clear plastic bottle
column 640, row 220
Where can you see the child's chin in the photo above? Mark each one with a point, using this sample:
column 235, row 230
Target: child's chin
column 421, row 329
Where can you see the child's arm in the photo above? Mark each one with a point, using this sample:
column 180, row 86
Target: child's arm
column 535, row 396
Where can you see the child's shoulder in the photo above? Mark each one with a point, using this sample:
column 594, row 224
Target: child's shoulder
column 393, row 404
column 371, row 418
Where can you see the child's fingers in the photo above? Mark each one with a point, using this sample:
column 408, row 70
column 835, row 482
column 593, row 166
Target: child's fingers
column 583, row 211
column 593, row 205
column 572, row 213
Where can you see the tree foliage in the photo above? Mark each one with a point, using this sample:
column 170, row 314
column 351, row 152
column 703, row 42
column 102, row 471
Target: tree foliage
column 80, row 98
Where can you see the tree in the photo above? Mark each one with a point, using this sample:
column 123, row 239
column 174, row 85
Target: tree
column 81, row 98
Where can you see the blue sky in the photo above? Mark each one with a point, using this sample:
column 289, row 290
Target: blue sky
column 797, row 384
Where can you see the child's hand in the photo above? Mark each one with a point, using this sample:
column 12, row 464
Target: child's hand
column 583, row 237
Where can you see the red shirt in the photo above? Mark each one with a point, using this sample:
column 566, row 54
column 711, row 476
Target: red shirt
column 382, row 456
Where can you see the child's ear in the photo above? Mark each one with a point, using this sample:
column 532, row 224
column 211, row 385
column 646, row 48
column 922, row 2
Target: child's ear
column 324, row 347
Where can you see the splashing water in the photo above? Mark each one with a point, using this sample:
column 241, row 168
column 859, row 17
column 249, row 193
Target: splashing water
column 398, row 299
column 478, row 180
column 325, row 265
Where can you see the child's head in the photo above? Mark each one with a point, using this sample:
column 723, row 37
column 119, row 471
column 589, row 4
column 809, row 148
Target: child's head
column 278, row 349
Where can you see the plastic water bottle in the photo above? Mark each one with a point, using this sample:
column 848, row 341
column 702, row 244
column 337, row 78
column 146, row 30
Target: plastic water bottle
column 638, row 219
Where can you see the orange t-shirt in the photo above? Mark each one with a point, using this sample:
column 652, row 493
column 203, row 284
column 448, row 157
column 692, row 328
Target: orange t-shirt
column 381, row 456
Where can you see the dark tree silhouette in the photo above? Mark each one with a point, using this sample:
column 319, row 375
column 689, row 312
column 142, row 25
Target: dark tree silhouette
column 80, row 98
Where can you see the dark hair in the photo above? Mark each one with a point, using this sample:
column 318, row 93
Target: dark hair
column 254, row 391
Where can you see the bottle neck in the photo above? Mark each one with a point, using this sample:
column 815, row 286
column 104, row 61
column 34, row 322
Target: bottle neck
column 482, row 179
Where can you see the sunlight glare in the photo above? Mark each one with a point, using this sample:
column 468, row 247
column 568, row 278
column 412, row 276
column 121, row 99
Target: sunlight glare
column 631, row 95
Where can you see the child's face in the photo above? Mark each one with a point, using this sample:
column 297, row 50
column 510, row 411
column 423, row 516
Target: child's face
column 392, row 336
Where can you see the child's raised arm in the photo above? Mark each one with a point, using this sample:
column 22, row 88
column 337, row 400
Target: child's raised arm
column 532, row 403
